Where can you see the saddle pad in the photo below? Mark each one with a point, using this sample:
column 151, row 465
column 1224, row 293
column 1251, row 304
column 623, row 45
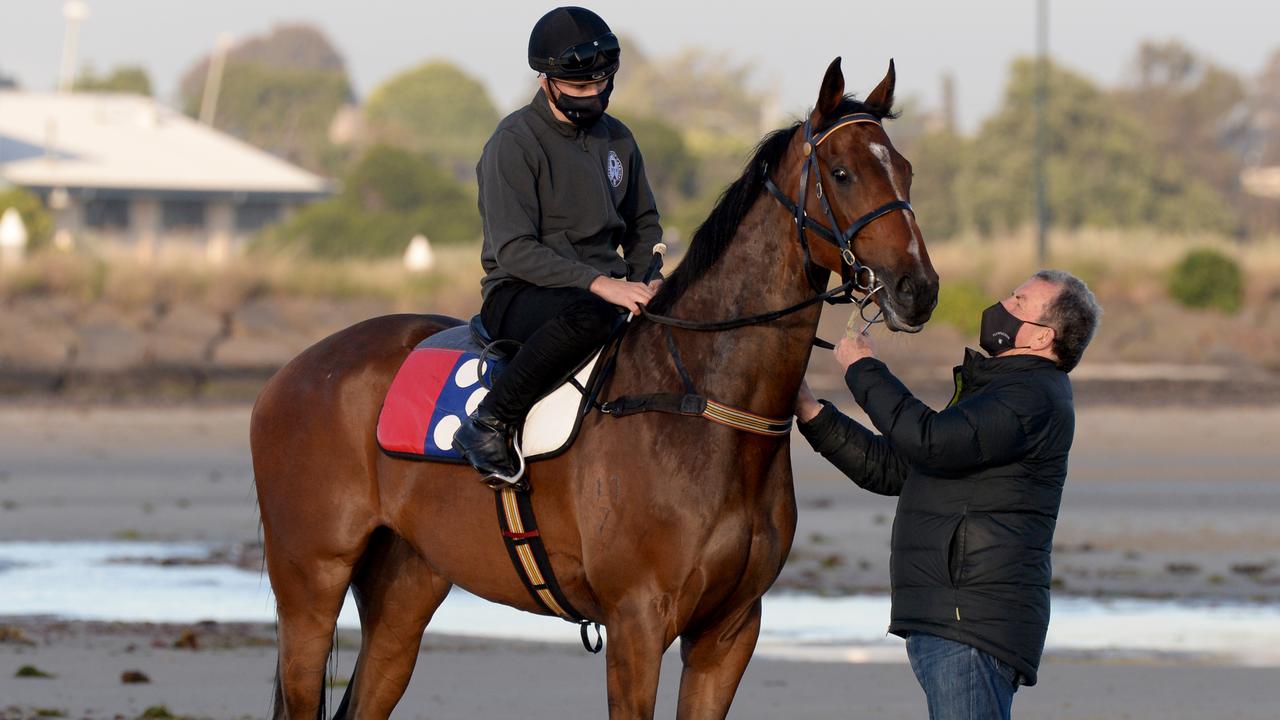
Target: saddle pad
column 441, row 383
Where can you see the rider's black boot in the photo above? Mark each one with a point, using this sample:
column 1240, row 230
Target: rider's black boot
column 483, row 441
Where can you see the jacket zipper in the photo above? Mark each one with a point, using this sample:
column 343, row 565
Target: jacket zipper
column 963, row 539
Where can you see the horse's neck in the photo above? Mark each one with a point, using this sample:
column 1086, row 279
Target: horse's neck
column 757, row 368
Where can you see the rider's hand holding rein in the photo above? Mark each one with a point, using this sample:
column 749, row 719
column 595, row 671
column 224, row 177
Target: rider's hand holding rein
column 628, row 295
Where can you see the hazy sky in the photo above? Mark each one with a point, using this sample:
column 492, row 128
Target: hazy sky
column 790, row 42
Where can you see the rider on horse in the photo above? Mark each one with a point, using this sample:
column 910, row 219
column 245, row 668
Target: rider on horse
column 562, row 189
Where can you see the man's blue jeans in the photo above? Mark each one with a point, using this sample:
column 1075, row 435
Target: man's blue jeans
column 960, row 681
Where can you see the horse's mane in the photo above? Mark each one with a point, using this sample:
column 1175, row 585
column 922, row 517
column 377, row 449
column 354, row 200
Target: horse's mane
column 716, row 232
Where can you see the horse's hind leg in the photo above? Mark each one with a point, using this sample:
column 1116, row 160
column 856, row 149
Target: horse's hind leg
column 397, row 593
column 309, row 593
column 714, row 660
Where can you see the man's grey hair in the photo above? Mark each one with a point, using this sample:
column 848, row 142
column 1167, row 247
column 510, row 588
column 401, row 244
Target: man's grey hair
column 1073, row 315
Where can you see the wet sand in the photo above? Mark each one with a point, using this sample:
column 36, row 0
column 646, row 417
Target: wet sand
column 1167, row 502
column 229, row 676
column 1171, row 501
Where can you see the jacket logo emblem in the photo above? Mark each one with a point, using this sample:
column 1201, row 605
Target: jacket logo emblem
column 615, row 169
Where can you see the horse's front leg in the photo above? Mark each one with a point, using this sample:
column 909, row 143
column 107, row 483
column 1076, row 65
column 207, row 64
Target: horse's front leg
column 714, row 659
column 638, row 635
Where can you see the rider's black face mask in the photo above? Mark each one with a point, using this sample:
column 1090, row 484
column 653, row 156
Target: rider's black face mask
column 583, row 111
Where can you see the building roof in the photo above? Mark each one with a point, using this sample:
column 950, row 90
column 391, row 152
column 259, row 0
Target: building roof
column 130, row 142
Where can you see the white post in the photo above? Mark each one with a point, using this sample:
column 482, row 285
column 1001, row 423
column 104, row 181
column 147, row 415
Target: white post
column 13, row 238
column 144, row 227
column 66, row 214
column 418, row 257
column 221, row 226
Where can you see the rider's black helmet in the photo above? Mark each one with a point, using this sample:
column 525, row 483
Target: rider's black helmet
column 573, row 43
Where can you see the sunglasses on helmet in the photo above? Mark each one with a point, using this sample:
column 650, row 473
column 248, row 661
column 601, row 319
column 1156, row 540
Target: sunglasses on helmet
column 600, row 52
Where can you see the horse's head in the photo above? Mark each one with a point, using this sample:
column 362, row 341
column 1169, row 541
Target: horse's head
column 861, row 173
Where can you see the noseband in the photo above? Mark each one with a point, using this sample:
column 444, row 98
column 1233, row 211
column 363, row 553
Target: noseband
column 852, row 271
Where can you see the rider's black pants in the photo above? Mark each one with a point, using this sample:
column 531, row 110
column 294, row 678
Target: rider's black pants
column 560, row 327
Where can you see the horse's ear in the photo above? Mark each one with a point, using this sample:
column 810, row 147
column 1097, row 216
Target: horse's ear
column 881, row 99
column 832, row 89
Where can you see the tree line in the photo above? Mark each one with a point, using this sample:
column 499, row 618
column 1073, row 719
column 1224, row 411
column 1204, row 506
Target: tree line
column 1165, row 149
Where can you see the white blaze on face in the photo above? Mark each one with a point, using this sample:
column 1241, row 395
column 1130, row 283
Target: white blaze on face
column 886, row 159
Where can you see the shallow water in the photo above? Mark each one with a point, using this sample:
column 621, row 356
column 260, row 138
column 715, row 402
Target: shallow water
column 90, row 581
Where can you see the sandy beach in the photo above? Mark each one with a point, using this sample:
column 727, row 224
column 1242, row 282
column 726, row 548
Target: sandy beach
column 1172, row 502
column 457, row 678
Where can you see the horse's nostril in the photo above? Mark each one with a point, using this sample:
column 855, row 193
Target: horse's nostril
column 906, row 288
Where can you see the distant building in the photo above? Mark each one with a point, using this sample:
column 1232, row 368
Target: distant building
column 124, row 170
column 1253, row 132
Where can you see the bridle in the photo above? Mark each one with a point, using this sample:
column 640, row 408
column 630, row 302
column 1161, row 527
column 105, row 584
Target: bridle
column 856, row 276
column 852, row 270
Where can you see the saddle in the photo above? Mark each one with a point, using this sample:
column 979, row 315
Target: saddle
column 447, row 375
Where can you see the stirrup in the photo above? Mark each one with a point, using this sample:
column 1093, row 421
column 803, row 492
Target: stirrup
column 517, row 481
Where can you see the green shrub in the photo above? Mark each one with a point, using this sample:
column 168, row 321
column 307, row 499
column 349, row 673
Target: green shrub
column 960, row 304
column 388, row 197
column 1207, row 278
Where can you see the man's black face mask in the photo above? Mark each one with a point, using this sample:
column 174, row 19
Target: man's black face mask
column 1000, row 329
column 583, row 111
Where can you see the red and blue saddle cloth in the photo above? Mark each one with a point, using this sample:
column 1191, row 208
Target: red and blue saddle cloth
column 441, row 383
column 437, row 387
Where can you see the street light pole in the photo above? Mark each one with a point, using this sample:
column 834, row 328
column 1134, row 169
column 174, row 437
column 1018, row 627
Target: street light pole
column 213, row 79
column 74, row 12
column 1042, row 99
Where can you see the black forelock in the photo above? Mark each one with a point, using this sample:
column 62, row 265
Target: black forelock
column 849, row 105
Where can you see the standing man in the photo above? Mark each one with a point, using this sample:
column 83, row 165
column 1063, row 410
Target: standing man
column 978, row 484
column 562, row 190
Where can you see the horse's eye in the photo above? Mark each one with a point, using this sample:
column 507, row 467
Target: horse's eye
column 841, row 175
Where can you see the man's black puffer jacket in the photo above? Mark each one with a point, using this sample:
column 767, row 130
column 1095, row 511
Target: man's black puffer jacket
column 978, row 484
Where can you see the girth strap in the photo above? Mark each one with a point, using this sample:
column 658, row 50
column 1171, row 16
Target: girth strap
column 697, row 406
column 692, row 404
column 529, row 556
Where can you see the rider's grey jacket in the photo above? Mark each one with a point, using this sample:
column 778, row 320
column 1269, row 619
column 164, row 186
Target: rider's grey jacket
column 978, row 484
column 558, row 202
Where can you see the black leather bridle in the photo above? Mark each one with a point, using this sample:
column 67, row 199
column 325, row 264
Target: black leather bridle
column 852, row 271
column 856, row 276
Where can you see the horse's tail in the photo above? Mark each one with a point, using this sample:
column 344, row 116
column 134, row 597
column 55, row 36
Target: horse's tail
column 277, row 696
column 341, row 712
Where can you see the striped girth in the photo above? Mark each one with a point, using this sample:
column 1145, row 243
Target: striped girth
column 745, row 421
column 524, row 542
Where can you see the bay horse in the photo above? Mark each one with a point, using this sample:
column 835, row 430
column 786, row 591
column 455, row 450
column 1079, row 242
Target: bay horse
column 658, row 526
